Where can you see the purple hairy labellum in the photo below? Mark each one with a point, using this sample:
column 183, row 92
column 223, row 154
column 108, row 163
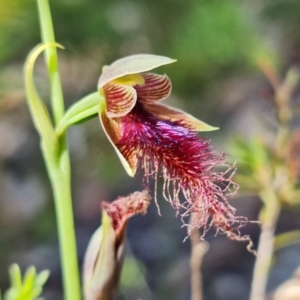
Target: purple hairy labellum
column 164, row 141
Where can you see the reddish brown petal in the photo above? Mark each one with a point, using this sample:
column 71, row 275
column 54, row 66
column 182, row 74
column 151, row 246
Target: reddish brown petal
column 167, row 113
column 124, row 208
column 120, row 99
column 113, row 131
column 156, row 88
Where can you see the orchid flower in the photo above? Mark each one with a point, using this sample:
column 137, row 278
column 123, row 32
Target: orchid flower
column 163, row 141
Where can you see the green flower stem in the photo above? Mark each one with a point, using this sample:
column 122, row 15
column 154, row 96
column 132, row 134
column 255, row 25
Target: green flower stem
column 58, row 166
column 68, row 252
column 47, row 33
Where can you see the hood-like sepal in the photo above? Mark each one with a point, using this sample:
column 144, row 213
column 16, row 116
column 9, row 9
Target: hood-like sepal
column 133, row 64
column 155, row 88
column 167, row 113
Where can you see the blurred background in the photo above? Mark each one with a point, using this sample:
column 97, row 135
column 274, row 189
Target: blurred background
column 220, row 46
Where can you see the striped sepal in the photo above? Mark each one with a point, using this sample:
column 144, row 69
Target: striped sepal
column 156, row 88
column 120, row 99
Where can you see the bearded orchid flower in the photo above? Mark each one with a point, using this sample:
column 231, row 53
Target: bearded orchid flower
column 104, row 256
column 163, row 140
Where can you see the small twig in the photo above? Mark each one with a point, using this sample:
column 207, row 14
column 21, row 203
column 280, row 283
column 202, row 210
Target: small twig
column 268, row 192
column 199, row 248
column 265, row 248
column 271, row 74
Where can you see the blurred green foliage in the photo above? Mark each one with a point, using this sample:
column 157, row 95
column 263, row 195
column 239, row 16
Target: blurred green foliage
column 28, row 288
column 215, row 36
column 207, row 35
column 254, row 163
column 17, row 28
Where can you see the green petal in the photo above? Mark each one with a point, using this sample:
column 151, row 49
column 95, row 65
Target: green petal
column 131, row 65
column 80, row 111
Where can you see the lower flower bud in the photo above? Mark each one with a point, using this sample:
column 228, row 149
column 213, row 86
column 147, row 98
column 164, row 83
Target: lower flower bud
column 104, row 257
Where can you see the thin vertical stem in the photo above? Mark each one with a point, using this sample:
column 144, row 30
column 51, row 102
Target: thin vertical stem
column 47, row 33
column 199, row 248
column 65, row 222
column 269, row 194
column 266, row 245
column 58, row 166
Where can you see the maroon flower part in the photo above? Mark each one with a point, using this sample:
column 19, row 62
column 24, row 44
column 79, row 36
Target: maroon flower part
column 124, row 208
column 187, row 164
column 163, row 140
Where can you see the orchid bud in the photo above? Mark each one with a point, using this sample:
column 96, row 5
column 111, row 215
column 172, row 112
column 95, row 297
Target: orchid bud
column 104, row 256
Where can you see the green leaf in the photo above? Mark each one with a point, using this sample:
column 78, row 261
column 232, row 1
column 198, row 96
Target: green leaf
column 15, row 276
column 29, row 281
column 287, row 239
column 42, row 277
column 82, row 110
column 39, row 112
column 34, row 292
column 29, row 288
column 251, row 155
